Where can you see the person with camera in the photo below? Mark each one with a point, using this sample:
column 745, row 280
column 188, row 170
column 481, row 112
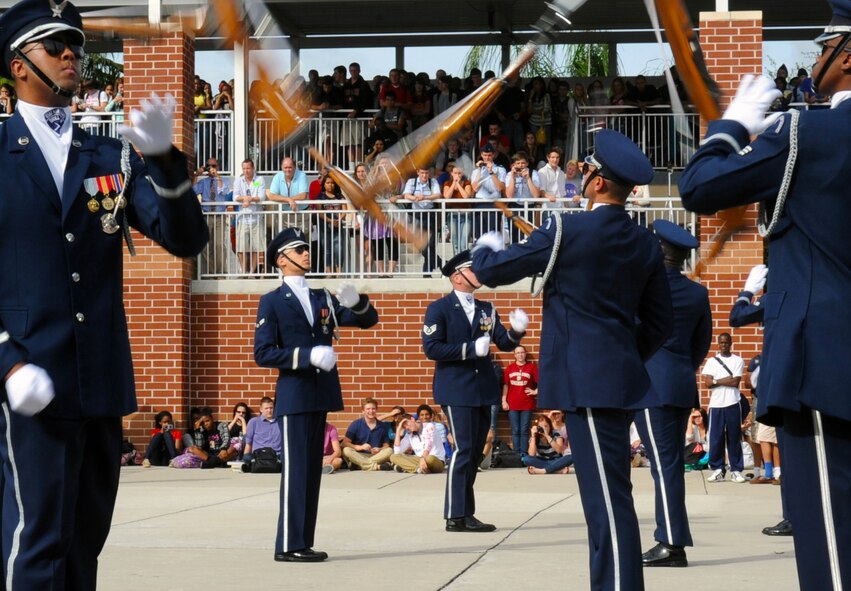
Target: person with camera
column 213, row 191
column 166, row 441
column 522, row 184
column 544, row 454
column 488, row 182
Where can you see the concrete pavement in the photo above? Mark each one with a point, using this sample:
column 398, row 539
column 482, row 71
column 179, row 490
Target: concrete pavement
column 215, row 529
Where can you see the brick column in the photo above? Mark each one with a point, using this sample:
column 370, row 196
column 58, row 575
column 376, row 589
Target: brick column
column 732, row 45
column 156, row 284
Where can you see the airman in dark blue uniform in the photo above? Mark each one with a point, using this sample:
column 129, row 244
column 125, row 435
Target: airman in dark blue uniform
column 64, row 348
column 796, row 169
column 672, row 372
column 607, row 309
column 457, row 335
column 294, row 334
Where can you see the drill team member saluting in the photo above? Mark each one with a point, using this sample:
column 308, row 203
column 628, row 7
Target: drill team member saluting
column 64, row 348
column 607, row 309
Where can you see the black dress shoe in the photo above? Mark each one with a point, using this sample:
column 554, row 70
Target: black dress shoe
column 784, row 528
column 473, row 524
column 663, row 554
column 308, row 555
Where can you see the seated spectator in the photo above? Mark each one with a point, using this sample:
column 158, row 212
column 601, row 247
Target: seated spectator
column 211, row 447
column 332, row 455
column 698, row 428
column 366, row 445
column 238, row 425
column 544, row 454
column 560, row 427
column 394, row 117
column 393, row 419
column 166, row 441
column 636, row 449
column 194, row 415
column 262, row 431
column 7, row 99
column 425, row 444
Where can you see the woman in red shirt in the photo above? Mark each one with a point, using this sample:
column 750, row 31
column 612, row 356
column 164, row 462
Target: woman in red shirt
column 519, row 397
column 166, row 442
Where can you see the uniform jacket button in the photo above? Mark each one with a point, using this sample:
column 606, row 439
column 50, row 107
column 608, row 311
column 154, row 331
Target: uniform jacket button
column 81, row 317
column 75, row 277
column 69, row 237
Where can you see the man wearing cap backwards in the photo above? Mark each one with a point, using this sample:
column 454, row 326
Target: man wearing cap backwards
column 457, row 335
column 672, row 372
column 607, row 309
column 294, row 334
column 807, row 211
column 64, row 350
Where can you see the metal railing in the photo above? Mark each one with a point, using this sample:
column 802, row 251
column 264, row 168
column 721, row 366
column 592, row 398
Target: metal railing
column 214, row 139
column 345, row 244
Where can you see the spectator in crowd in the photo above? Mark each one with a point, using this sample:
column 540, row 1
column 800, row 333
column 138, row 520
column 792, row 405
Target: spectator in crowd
column 617, row 94
column 597, row 96
column 379, row 245
column 564, row 117
column 560, row 427
column 698, row 428
column 421, row 191
column 421, row 105
column 116, row 103
column 540, row 112
column 573, row 184
column 722, row 375
column 444, row 97
column 326, row 97
column 238, row 426
column 201, row 100
column 377, row 148
column 223, row 101
column 535, row 151
column 522, row 183
column 249, row 192
column 473, row 81
column 417, row 448
column 552, row 180
column 330, row 225
column 458, row 188
column 211, row 443
column 7, row 100
column 488, row 183
column 366, row 445
column 312, row 81
column 795, row 85
column 502, row 143
column 262, row 431
column 642, row 95
column 289, row 188
column 332, row 453
column 545, row 449
column 509, row 111
column 357, row 98
column 454, row 152
column 425, row 414
column 395, row 118
column 520, row 397
column 400, row 94
column 166, row 441
column 393, row 418
column 214, row 189
column 583, row 102
column 90, row 101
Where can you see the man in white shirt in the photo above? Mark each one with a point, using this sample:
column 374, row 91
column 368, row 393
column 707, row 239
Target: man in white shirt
column 553, row 180
column 421, row 191
column 426, row 444
column 722, row 375
column 488, row 182
column 249, row 191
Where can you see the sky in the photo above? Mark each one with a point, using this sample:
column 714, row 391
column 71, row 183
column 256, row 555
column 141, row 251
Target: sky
column 633, row 59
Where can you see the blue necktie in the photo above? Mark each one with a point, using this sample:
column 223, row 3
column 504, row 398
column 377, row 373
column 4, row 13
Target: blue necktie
column 55, row 119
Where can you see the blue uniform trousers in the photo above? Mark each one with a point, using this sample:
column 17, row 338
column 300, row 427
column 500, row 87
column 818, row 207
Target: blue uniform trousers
column 469, row 426
column 302, row 440
column 661, row 431
column 599, row 439
column 817, row 477
column 725, row 426
column 60, row 478
column 783, row 494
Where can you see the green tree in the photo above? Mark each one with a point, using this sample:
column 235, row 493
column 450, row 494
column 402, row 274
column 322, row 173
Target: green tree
column 101, row 68
column 584, row 60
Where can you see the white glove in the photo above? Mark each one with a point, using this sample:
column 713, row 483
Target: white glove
column 323, row 357
column 492, row 240
column 483, row 345
column 348, row 295
column 152, row 126
column 29, row 390
column 519, row 320
column 756, row 279
column 752, row 101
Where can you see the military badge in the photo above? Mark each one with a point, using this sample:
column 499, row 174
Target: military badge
column 93, row 205
column 429, row 330
column 324, row 318
column 108, row 203
column 486, row 322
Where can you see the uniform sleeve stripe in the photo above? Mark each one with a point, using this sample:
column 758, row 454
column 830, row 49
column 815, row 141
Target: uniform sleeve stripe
column 464, row 352
column 171, row 193
column 724, row 137
column 295, row 357
column 4, row 336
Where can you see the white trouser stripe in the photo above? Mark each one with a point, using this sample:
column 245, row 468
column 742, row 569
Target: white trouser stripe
column 607, row 498
column 4, row 336
column 826, row 504
column 661, row 473
column 285, row 498
column 16, row 537
column 451, row 463
column 295, row 358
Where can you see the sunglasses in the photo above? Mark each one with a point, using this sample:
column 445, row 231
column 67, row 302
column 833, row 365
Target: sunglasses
column 301, row 249
column 54, row 47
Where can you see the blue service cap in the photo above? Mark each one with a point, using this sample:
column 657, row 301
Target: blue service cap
column 840, row 22
column 674, row 234
column 619, row 159
column 289, row 238
column 459, row 261
column 32, row 20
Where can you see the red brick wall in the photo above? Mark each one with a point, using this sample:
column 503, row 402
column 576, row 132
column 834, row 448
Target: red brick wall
column 156, row 284
column 732, row 46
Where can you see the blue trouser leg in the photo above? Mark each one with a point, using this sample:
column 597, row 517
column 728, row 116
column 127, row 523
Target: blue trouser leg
column 661, row 431
column 302, row 440
column 469, row 426
column 783, row 504
column 816, row 453
column 551, row 466
column 599, row 439
column 57, row 510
